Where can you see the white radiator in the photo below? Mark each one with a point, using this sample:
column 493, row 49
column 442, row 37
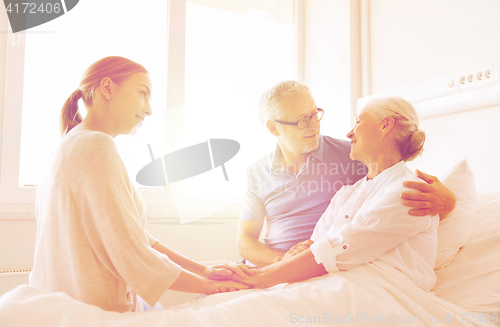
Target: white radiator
column 9, row 279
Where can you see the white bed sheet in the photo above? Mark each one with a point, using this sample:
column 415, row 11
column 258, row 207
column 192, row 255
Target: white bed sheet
column 374, row 294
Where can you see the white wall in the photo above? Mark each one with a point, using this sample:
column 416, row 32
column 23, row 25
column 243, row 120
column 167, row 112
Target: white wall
column 415, row 40
column 474, row 135
column 17, row 244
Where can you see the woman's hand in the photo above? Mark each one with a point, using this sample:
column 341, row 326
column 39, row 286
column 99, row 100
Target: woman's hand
column 255, row 280
column 227, row 286
column 260, row 278
column 297, row 248
column 228, row 271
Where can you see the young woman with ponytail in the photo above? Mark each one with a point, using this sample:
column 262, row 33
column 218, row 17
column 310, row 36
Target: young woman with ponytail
column 91, row 241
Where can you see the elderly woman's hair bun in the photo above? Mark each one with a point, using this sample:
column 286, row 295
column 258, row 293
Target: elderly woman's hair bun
column 409, row 138
column 414, row 146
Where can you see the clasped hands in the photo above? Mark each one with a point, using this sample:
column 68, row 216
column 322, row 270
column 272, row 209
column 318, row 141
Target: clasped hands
column 240, row 276
column 229, row 277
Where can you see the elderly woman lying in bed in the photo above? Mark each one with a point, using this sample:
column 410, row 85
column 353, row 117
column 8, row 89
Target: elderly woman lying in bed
column 367, row 221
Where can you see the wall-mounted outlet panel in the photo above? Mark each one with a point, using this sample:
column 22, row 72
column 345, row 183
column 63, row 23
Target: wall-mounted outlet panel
column 465, row 90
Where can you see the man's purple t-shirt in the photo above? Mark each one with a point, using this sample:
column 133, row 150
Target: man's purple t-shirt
column 293, row 203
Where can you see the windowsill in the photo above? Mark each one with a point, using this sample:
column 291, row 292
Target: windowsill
column 195, row 210
column 154, row 213
column 17, row 211
column 18, row 214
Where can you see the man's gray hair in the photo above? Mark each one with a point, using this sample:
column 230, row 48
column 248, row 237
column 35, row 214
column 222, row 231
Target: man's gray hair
column 269, row 101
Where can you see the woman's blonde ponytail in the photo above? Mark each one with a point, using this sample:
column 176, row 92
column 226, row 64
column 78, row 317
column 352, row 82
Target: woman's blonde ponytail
column 70, row 117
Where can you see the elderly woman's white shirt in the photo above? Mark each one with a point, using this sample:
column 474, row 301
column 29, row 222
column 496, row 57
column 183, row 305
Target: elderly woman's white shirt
column 367, row 221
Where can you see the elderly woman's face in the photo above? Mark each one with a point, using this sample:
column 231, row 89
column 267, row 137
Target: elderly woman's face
column 365, row 138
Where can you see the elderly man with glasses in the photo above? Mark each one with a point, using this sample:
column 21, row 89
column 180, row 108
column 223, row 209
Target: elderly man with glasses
column 290, row 188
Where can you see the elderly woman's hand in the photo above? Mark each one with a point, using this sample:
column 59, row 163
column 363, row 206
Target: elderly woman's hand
column 260, row 279
column 227, row 286
column 228, row 271
column 435, row 198
column 297, row 248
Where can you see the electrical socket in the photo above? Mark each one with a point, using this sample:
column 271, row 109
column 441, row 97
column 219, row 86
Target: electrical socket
column 485, row 76
column 461, row 81
column 466, row 80
column 477, row 77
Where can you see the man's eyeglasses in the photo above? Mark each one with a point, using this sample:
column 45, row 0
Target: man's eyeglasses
column 304, row 122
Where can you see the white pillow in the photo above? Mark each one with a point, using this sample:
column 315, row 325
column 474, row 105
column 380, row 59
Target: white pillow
column 456, row 229
column 472, row 280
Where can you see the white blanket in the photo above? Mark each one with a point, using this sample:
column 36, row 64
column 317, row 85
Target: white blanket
column 369, row 295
